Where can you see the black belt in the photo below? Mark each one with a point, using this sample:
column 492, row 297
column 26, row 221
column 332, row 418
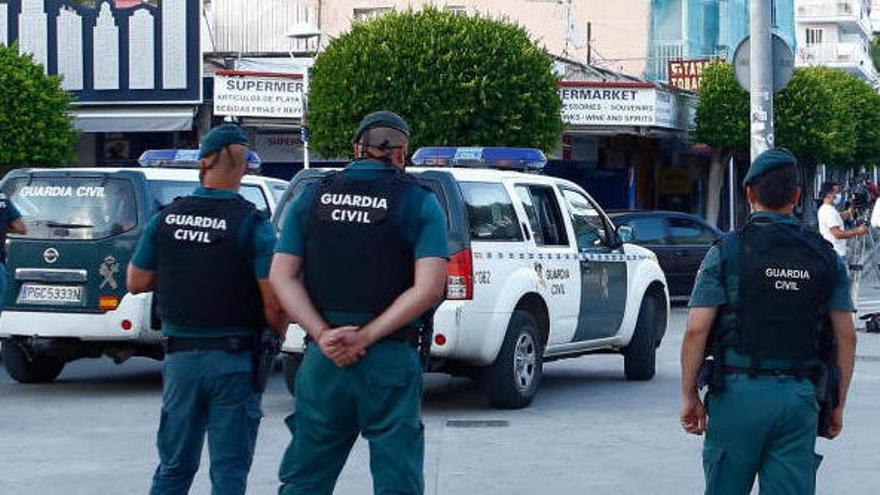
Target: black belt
column 228, row 344
column 408, row 335
column 794, row 372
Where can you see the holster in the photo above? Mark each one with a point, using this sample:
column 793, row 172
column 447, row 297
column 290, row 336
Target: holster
column 827, row 381
column 264, row 354
column 426, row 336
column 712, row 374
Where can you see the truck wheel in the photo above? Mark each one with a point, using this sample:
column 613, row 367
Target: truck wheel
column 640, row 356
column 40, row 370
column 291, row 367
column 511, row 382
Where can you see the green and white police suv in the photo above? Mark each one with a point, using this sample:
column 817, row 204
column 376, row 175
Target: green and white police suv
column 66, row 297
column 538, row 273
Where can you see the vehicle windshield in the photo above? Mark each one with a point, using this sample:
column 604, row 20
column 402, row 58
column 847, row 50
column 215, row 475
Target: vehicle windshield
column 73, row 208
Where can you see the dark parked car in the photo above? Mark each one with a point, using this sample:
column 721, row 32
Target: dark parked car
column 680, row 241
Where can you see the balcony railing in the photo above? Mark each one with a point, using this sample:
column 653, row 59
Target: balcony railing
column 851, row 56
column 854, row 11
column 260, row 26
column 661, row 53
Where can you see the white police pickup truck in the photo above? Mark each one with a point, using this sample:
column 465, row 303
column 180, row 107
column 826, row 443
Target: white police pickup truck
column 66, row 297
column 538, row 273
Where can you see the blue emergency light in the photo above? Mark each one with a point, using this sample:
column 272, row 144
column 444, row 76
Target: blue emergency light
column 524, row 159
column 185, row 159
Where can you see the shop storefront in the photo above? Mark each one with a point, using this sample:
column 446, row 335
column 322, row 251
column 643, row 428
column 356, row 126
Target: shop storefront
column 626, row 143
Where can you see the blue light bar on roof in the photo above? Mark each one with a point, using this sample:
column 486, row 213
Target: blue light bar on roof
column 503, row 158
column 185, row 159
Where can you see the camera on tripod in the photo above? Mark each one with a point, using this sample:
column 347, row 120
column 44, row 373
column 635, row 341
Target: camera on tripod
column 859, row 199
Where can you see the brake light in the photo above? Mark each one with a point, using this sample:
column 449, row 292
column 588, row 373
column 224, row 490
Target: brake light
column 460, row 279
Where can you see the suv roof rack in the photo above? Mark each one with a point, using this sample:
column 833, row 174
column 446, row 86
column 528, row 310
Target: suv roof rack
column 186, row 159
column 522, row 159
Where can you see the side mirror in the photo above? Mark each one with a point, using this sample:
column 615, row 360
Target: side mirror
column 625, row 234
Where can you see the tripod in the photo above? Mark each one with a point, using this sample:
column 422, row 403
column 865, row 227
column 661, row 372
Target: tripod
column 863, row 256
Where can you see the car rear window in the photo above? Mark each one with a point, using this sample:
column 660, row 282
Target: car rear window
column 683, row 231
column 73, row 208
column 490, row 211
column 648, row 230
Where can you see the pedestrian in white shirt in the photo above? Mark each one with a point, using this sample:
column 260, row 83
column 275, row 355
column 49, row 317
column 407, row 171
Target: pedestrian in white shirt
column 875, row 215
column 831, row 223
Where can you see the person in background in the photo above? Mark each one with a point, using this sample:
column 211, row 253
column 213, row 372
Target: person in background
column 10, row 223
column 831, row 225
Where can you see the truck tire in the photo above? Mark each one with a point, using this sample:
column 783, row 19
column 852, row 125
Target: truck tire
column 40, row 370
column 291, row 367
column 640, row 356
column 512, row 381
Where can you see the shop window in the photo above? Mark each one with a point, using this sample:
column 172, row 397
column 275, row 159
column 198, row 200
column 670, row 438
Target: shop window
column 370, row 13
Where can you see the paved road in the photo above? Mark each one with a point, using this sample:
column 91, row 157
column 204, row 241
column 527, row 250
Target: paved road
column 589, row 431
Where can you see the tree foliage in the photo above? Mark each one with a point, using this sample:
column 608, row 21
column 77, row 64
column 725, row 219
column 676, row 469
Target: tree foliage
column 458, row 80
column 722, row 109
column 875, row 52
column 807, row 117
column 34, row 121
column 823, row 116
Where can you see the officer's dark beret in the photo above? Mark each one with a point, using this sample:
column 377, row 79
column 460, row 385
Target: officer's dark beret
column 220, row 137
column 769, row 160
column 389, row 120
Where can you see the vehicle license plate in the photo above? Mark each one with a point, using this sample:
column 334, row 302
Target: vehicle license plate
column 50, row 294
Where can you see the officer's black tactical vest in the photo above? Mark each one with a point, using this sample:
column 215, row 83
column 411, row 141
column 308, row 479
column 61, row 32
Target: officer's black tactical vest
column 786, row 274
column 204, row 277
column 5, row 206
column 356, row 258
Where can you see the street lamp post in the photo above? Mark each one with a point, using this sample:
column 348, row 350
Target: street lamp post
column 305, row 31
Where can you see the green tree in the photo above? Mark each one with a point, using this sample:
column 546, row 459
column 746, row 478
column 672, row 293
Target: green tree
column 812, row 118
column 458, row 80
column 722, row 123
column 34, row 121
column 823, row 116
column 875, row 52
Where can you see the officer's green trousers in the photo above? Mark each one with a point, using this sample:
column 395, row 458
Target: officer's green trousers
column 379, row 397
column 207, row 392
column 762, row 426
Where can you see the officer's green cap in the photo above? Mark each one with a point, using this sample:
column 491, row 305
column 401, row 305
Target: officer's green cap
column 220, row 137
column 389, row 120
column 769, row 160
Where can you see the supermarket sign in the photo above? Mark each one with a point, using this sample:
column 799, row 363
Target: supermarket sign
column 626, row 104
column 258, row 94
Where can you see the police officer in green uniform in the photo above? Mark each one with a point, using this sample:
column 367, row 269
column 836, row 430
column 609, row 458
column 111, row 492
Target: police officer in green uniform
column 207, row 257
column 10, row 222
column 759, row 302
column 371, row 245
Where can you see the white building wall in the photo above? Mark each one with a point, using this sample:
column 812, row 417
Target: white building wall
column 846, row 34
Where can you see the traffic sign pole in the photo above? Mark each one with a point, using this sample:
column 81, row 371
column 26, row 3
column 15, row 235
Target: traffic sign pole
column 761, row 74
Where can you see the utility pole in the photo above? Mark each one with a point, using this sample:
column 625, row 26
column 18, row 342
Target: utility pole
column 761, row 75
column 589, row 43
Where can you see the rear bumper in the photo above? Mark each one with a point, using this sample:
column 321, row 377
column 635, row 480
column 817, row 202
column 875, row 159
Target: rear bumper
column 468, row 336
column 87, row 327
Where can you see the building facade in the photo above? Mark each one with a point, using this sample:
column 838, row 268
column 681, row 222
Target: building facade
column 133, row 67
column 704, row 29
column 837, row 34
